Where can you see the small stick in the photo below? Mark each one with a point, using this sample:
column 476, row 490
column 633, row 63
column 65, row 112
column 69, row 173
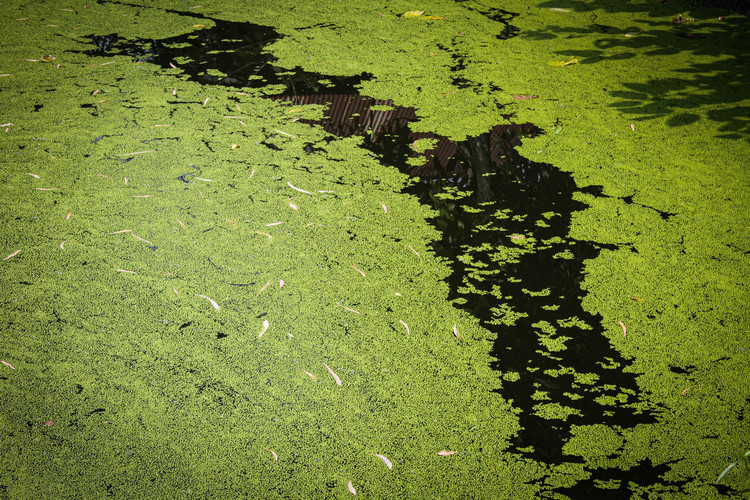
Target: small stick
column 351, row 310
column 12, row 255
column 412, row 249
column 275, row 456
column 212, row 301
column 180, row 223
column 359, row 270
column 624, row 329
column 125, row 271
column 274, row 224
column 139, row 238
column 263, row 288
column 455, row 332
column 28, row 173
column 122, row 231
column 8, row 365
column 284, row 133
column 137, row 153
column 297, row 189
column 333, row 373
column 408, row 332
column 310, row 374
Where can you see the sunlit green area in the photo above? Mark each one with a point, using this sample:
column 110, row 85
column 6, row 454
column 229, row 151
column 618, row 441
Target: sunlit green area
column 205, row 295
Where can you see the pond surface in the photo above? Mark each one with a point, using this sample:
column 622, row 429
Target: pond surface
column 260, row 258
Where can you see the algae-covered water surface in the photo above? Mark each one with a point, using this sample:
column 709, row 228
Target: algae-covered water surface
column 449, row 249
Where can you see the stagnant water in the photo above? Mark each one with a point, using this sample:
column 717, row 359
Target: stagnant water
column 504, row 221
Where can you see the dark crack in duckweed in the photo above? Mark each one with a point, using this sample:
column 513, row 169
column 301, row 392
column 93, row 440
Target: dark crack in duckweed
column 230, row 53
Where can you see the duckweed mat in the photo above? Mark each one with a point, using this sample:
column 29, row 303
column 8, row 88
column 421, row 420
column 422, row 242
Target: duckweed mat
column 211, row 293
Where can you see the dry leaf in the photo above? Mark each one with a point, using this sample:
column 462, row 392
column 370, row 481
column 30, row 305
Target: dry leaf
column 524, row 97
column 413, row 13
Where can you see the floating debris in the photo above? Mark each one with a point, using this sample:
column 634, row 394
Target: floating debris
column 624, row 329
column 385, row 460
column 12, row 255
column 455, row 332
column 333, row 373
column 351, row 310
column 295, row 188
column 359, row 270
column 265, row 327
column 212, row 301
column 408, row 332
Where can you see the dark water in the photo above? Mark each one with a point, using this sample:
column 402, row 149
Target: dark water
column 513, row 212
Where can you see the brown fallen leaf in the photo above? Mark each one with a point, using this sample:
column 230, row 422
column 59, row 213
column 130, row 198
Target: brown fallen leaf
column 445, row 453
column 524, row 97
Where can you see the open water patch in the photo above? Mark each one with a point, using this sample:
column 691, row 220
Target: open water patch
column 504, row 222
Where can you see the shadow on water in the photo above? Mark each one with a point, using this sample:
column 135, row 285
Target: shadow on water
column 504, row 221
column 715, row 89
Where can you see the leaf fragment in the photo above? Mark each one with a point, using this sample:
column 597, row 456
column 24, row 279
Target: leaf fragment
column 572, row 60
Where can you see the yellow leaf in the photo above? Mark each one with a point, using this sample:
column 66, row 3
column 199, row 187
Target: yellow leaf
column 433, row 17
column 572, row 60
column 413, row 13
